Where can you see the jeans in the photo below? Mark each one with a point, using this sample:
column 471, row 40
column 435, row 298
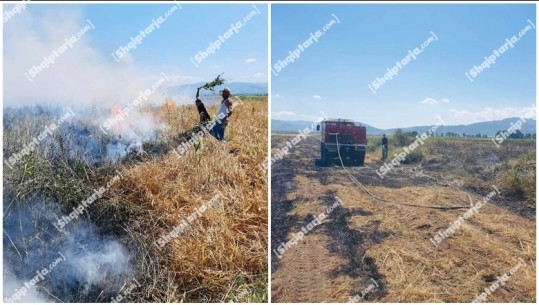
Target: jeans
column 218, row 131
column 384, row 151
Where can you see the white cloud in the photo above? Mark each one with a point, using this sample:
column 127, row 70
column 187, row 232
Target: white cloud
column 291, row 116
column 277, row 95
column 283, row 113
column 250, row 60
column 491, row 114
column 260, row 75
column 318, row 97
column 127, row 59
column 309, row 117
column 429, row 101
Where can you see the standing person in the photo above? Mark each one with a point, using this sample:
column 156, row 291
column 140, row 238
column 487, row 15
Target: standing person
column 384, row 146
column 202, row 112
column 225, row 111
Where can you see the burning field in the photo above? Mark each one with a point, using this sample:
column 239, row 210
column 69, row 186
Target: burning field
column 333, row 242
column 100, row 207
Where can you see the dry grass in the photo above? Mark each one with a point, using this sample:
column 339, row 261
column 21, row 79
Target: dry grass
column 490, row 243
column 222, row 256
column 391, row 244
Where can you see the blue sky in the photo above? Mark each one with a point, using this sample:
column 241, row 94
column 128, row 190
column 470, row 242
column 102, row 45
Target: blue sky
column 184, row 34
column 41, row 28
column 333, row 74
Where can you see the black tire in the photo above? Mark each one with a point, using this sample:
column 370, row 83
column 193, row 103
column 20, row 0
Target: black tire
column 324, row 152
column 360, row 158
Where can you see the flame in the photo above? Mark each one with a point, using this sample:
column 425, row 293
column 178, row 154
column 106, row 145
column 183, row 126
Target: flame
column 115, row 109
column 169, row 106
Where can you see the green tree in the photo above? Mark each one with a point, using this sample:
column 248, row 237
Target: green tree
column 400, row 138
column 517, row 135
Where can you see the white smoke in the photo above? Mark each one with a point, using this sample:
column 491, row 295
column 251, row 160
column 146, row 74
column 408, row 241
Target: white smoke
column 131, row 131
column 82, row 76
column 12, row 284
column 88, row 266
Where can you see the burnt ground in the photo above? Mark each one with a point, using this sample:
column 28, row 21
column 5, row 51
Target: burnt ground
column 365, row 241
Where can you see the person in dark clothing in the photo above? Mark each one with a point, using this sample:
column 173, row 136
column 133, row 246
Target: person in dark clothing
column 202, row 112
column 384, row 146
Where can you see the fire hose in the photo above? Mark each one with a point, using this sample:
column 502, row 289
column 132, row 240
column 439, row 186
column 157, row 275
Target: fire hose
column 389, row 201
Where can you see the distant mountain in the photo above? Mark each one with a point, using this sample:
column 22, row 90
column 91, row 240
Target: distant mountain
column 294, row 126
column 290, row 126
column 488, row 128
column 237, row 88
column 484, row 128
